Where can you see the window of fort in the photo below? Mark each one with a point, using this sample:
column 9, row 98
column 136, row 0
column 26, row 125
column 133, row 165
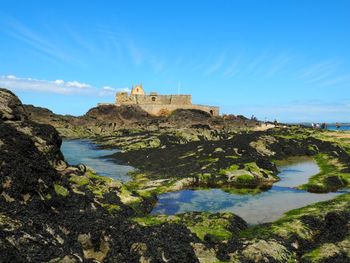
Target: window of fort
column 153, row 98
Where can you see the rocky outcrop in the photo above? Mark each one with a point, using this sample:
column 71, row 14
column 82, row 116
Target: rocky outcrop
column 316, row 233
column 241, row 160
column 105, row 120
column 10, row 106
column 53, row 212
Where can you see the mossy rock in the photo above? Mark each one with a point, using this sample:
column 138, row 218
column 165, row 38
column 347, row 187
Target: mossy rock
column 217, row 227
column 204, row 178
column 79, row 180
column 61, row 190
column 228, row 170
column 329, row 252
column 245, row 180
column 112, row 208
column 330, row 178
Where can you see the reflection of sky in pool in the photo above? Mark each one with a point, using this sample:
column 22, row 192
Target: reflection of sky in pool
column 255, row 209
column 84, row 151
column 264, row 207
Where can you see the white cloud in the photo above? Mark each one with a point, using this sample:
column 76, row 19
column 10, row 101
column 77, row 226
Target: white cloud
column 59, row 81
column 56, row 86
column 108, row 88
column 11, row 77
column 77, row 84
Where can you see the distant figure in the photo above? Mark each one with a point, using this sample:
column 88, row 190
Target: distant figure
column 337, row 126
column 323, row 126
column 312, row 125
column 275, row 122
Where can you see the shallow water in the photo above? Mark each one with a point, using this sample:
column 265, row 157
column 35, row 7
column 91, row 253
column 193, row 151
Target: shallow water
column 255, row 209
column 296, row 171
column 86, row 152
column 341, row 128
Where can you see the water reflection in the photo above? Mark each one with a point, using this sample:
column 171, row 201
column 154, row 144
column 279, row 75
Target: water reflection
column 86, row 152
column 255, row 209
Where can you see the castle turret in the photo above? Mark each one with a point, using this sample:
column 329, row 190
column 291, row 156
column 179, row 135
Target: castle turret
column 137, row 90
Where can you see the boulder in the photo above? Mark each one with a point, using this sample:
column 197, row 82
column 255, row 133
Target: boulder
column 11, row 107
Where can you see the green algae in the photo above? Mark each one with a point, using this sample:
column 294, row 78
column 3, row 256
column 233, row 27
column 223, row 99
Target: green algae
column 290, row 224
column 229, row 169
column 331, row 171
column 245, row 180
column 112, row 208
column 243, row 191
column 328, row 252
column 200, row 223
column 204, row 177
column 79, row 180
column 61, row 190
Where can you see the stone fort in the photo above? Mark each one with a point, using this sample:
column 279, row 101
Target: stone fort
column 158, row 105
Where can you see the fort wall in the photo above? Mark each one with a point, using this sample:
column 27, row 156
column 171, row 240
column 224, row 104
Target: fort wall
column 164, row 99
column 124, row 98
column 160, row 104
column 159, row 110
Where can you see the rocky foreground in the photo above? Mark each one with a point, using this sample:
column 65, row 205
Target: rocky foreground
column 53, row 212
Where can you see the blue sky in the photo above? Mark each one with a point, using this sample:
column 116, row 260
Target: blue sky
column 287, row 60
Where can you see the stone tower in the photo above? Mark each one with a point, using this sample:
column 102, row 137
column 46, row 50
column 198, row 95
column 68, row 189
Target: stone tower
column 137, row 90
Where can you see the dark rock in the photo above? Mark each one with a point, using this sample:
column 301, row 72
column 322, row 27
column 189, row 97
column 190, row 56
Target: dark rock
column 82, row 168
column 10, row 106
column 334, row 182
column 46, row 220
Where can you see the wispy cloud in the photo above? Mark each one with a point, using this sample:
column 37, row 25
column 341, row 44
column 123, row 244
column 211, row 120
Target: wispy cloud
column 135, row 52
column 215, row 66
column 318, row 71
column 156, row 63
column 344, row 79
column 200, row 63
column 142, row 56
column 37, row 41
column 232, row 69
column 324, row 74
column 56, row 86
column 86, row 43
column 279, row 63
column 256, row 64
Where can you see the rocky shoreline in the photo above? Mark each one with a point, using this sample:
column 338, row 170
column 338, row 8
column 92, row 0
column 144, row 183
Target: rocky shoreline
column 245, row 161
column 54, row 212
